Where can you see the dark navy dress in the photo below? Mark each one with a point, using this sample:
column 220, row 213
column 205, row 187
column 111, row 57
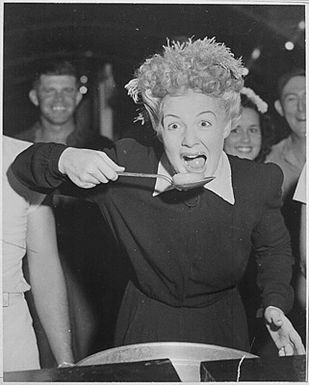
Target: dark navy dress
column 189, row 250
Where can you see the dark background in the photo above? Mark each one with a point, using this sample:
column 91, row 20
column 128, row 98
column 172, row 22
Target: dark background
column 125, row 34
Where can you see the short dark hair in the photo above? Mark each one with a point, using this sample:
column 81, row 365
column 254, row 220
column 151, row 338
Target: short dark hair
column 283, row 80
column 267, row 129
column 59, row 67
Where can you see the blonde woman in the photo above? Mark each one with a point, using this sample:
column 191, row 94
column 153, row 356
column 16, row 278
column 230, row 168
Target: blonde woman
column 188, row 247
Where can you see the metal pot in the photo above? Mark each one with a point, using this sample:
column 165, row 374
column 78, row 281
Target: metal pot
column 185, row 357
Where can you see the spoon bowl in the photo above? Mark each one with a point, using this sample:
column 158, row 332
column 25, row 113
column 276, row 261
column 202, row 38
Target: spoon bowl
column 188, row 181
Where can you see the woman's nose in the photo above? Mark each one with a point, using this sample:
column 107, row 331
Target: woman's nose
column 245, row 137
column 190, row 138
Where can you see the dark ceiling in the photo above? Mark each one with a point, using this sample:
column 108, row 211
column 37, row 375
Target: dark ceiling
column 91, row 34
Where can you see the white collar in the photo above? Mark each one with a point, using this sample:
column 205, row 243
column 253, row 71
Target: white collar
column 221, row 185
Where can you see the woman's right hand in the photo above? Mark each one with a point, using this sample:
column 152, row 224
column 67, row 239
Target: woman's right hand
column 87, row 168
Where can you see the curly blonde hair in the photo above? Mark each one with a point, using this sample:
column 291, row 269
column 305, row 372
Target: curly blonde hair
column 202, row 65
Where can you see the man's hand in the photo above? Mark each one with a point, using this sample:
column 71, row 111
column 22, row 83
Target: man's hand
column 282, row 332
column 87, row 168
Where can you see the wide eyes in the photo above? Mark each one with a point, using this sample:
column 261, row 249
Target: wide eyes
column 205, row 124
column 177, row 125
column 173, row 126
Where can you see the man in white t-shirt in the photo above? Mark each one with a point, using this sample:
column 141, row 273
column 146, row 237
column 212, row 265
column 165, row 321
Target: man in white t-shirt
column 29, row 227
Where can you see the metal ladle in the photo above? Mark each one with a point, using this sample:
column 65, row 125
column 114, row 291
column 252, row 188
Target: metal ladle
column 178, row 185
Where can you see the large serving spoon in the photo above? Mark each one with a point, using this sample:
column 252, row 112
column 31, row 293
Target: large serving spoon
column 181, row 181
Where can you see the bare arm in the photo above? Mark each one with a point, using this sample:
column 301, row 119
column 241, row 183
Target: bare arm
column 48, row 283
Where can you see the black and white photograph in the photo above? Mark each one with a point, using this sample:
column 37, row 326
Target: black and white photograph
column 154, row 201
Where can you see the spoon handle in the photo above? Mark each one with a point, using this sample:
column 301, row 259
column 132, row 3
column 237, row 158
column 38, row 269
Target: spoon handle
column 144, row 175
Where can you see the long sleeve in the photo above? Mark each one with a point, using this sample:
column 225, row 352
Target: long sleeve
column 273, row 251
column 37, row 167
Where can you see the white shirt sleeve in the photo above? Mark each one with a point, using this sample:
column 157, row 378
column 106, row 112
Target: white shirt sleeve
column 300, row 191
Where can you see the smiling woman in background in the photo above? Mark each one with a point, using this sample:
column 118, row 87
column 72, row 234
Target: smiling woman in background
column 253, row 136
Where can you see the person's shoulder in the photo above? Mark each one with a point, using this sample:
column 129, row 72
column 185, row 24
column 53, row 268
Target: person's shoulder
column 133, row 145
column 138, row 155
column 254, row 172
column 96, row 142
column 241, row 166
column 128, row 143
column 256, row 182
column 277, row 150
column 27, row 135
column 12, row 146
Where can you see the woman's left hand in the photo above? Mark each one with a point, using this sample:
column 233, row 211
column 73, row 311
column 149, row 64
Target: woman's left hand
column 282, row 332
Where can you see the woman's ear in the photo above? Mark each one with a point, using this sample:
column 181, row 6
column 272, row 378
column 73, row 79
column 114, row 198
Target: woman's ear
column 78, row 97
column 33, row 96
column 278, row 107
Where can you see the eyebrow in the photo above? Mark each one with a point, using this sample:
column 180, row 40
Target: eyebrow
column 290, row 93
column 201, row 113
column 172, row 115
column 168, row 115
column 207, row 112
column 294, row 93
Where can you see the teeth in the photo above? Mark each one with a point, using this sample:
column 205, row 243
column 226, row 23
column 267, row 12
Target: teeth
column 195, row 161
column 244, row 149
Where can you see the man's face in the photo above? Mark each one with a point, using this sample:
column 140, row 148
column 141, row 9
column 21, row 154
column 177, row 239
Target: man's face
column 57, row 96
column 293, row 103
column 194, row 126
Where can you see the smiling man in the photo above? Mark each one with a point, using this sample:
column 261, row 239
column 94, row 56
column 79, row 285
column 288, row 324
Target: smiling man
column 189, row 249
column 290, row 153
column 56, row 93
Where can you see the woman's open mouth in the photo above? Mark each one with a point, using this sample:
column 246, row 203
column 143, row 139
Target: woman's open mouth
column 195, row 162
